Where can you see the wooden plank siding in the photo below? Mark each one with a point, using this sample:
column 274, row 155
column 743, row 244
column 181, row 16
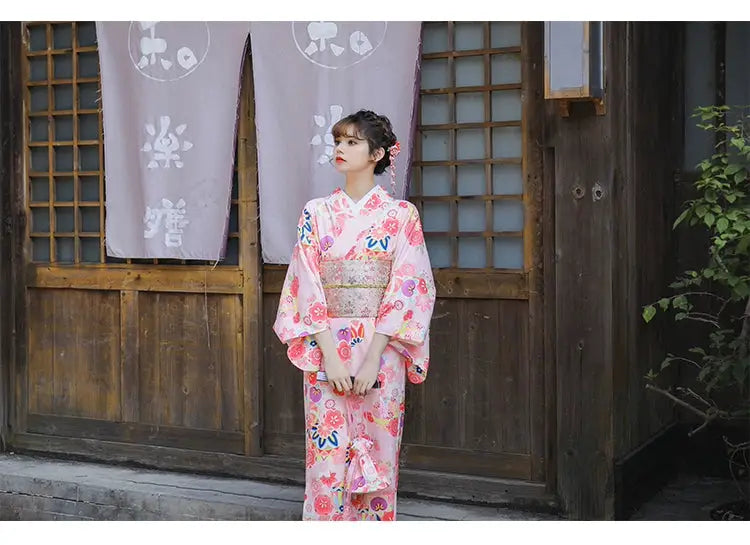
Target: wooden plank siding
column 613, row 176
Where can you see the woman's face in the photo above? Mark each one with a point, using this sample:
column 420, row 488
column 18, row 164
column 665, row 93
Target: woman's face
column 352, row 153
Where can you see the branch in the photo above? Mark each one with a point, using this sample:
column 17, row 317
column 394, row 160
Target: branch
column 702, row 293
column 713, row 323
column 745, row 323
column 677, row 400
column 699, row 398
column 687, row 360
column 708, row 416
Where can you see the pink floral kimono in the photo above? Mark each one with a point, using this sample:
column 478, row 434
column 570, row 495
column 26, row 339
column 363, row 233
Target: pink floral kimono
column 357, row 269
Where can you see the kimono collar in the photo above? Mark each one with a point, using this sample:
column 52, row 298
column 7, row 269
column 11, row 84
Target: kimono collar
column 372, row 197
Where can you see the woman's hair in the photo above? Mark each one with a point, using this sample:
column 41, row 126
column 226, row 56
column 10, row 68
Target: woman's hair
column 374, row 128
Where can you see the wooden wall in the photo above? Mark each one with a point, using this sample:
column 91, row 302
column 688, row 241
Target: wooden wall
column 613, row 178
column 472, row 415
column 646, row 269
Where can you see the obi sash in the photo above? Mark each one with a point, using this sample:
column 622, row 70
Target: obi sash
column 354, row 288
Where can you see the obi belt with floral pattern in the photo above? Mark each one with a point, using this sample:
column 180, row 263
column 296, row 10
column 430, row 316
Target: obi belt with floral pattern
column 354, row 288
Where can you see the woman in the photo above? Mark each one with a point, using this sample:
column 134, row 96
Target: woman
column 355, row 311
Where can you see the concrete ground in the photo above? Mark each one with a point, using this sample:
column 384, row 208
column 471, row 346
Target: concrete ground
column 34, row 488
column 690, row 497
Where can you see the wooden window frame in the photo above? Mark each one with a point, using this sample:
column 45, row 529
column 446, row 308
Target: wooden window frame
column 488, row 282
column 95, row 274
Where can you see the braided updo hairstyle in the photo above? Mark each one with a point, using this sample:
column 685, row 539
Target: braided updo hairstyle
column 374, row 128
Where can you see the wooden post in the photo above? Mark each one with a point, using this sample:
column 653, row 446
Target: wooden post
column 250, row 262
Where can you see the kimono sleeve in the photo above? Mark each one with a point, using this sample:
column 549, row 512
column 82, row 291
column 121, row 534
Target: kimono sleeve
column 409, row 299
column 302, row 306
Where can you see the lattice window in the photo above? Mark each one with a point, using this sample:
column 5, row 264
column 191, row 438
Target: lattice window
column 468, row 168
column 65, row 151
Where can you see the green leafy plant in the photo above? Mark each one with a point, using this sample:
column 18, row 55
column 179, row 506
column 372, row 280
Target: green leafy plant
column 718, row 295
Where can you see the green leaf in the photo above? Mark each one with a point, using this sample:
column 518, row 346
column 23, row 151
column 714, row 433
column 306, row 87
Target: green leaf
column 680, row 218
column 680, row 302
column 734, row 168
column 739, row 177
column 722, row 224
column 648, row 313
column 738, row 143
column 680, row 316
column 743, row 244
column 664, row 303
column 709, row 219
column 742, row 290
column 731, row 197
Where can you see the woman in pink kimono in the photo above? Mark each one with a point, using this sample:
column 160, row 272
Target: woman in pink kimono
column 355, row 313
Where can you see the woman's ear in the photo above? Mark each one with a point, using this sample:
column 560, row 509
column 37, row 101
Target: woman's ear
column 378, row 154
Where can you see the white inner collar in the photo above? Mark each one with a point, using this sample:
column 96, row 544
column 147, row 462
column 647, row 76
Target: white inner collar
column 357, row 205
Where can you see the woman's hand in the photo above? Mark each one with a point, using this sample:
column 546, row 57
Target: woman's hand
column 336, row 371
column 368, row 373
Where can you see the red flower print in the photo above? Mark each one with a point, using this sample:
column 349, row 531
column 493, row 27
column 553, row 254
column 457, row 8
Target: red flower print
column 309, row 459
column 415, row 237
column 408, row 315
column 391, row 226
column 318, row 312
column 316, row 355
column 345, row 352
column 422, row 286
column 323, row 505
column 373, row 203
column 328, row 481
column 296, row 351
column 296, row 318
column 294, row 288
column 385, row 310
column 393, row 427
column 403, row 204
column 368, row 416
column 388, row 516
column 334, row 419
column 358, row 333
column 312, row 378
